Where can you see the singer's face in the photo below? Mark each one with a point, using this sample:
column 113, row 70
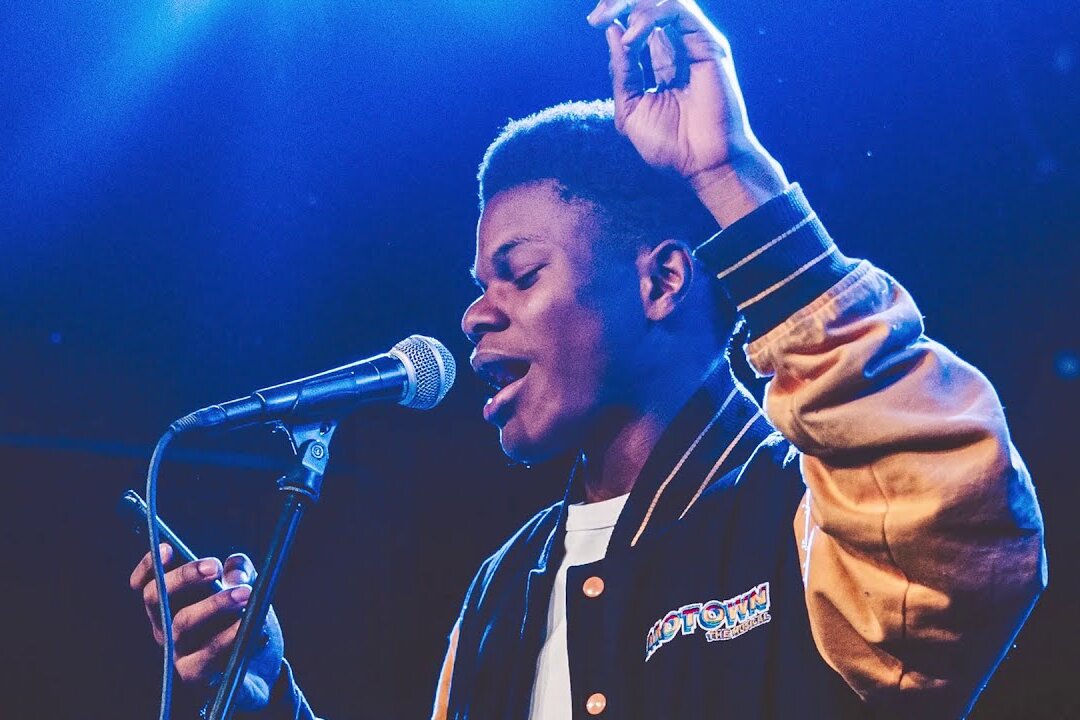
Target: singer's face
column 558, row 322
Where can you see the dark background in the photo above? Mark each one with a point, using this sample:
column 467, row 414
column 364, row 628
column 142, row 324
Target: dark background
column 200, row 198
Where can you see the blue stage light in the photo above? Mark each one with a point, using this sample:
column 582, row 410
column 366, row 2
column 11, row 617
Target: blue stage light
column 95, row 106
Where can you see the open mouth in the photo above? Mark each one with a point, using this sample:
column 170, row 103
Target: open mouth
column 503, row 373
column 499, row 373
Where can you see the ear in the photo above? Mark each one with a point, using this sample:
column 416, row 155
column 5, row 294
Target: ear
column 666, row 272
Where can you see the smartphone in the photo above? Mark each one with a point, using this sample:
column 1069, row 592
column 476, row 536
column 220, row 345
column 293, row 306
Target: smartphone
column 133, row 508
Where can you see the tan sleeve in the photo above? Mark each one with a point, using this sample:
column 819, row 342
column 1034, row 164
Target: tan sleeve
column 920, row 534
column 442, row 692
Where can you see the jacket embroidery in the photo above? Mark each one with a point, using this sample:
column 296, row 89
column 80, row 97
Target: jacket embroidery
column 719, row 619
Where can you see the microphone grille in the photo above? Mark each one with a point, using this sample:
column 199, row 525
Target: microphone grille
column 434, row 369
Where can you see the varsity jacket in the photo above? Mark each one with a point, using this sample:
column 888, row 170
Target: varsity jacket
column 868, row 544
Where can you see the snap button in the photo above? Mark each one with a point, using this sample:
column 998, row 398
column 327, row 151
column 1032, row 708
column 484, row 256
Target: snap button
column 596, row 703
column 593, row 587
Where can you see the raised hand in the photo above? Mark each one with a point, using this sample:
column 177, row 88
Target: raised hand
column 694, row 120
column 205, row 622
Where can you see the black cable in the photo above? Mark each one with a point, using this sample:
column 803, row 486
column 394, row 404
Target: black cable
column 159, row 571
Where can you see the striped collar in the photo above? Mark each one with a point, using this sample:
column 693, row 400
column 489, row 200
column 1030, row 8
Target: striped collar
column 715, row 432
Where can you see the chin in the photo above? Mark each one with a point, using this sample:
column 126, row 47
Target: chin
column 526, row 453
column 533, row 448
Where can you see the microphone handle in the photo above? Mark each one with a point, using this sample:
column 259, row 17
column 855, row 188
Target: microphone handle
column 325, row 395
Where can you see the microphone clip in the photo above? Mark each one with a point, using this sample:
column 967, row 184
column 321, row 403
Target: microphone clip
column 311, row 444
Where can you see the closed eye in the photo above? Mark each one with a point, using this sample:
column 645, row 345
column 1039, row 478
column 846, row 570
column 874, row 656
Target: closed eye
column 526, row 280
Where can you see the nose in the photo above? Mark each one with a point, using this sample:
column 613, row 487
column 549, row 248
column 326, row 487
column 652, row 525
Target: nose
column 482, row 317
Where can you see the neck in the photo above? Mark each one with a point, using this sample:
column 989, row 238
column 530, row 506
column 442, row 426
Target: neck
column 622, row 440
column 613, row 459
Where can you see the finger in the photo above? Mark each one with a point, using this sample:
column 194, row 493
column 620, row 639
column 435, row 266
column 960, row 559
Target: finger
column 688, row 17
column 196, row 624
column 196, row 574
column 144, row 571
column 200, row 665
column 627, row 80
column 192, row 576
column 643, row 19
column 683, row 16
column 662, row 54
column 239, row 570
column 606, row 11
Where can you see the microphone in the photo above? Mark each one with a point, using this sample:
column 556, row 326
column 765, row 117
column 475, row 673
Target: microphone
column 416, row 373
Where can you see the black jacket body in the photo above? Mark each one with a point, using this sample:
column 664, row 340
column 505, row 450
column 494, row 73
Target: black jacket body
column 657, row 641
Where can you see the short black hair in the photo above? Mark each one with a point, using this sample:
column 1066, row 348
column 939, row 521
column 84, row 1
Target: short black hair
column 577, row 145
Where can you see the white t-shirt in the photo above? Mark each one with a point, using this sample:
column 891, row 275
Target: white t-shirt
column 588, row 530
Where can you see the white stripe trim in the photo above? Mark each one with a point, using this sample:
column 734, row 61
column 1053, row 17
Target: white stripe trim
column 809, row 530
column 727, row 271
column 678, row 466
column 716, row 467
column 773, row 288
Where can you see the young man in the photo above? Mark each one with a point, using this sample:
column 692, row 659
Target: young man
column 669, row 582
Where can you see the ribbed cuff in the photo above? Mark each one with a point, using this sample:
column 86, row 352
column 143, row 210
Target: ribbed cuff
column 287, row 702
column 775, row 260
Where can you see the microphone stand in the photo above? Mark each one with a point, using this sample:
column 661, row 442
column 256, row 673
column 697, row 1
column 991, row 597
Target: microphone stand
column 300, row 487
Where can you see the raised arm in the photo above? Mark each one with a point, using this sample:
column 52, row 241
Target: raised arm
column 920, row 533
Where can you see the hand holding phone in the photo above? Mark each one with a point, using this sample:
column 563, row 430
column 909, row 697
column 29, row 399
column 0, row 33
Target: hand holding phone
column 207, row 597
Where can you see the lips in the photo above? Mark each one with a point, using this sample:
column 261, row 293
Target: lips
column 504, row 374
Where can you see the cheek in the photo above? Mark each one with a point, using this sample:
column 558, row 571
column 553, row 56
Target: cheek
column 572, row 342
column 576, row 348
column 581, row 348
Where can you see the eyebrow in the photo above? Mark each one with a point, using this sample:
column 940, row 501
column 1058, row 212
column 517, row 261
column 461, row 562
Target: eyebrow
column 500, row 254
